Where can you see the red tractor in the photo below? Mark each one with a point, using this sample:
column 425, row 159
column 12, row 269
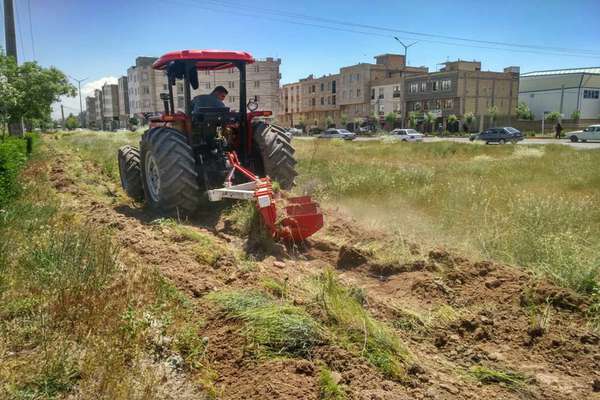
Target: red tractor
column 215, row 152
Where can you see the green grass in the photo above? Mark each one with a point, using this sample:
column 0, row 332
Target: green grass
column 274, row 328
column 74, row 319
column 533, row 206
column 12, row 159
column 365, row 335
column 329, row 389
column 510, row 379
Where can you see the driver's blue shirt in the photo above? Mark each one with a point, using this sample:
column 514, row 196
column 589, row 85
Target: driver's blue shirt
column 206, row 101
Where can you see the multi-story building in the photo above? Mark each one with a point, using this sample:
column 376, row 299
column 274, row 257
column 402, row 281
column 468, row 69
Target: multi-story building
column 563, row 90
column 146, row 84
column 461, row 87
column 90, row 110
column 110, row 106
column 343, row 97
column 123, row 102
column 99, row 113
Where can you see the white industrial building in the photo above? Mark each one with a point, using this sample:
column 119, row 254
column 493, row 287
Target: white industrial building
column 562, row 90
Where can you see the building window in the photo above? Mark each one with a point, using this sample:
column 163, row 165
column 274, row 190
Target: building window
column 165, row 87
column 144, row 76
column 322, row 100
column 380, row 93
column 328, row 99
column 256, row 68
column 312, row 89
column 180, row 88
column 449, row 103
column 180, row 102
column 417, row 106
column 231, row 84
column 312, row 102
column 231, row 70
column 434, row 86
column 413, row 88
column 446, row 84
column 256, row 84
column 438, row 104
column 333, row 87
column 372, row 94
column 207, row 85
column 423, row 86
column 358, row 77
column 333, row 99
column 145, row 90
column 357, row 92
column 232, row 99
column 322, row 87
column 381, row 108
column 591, row 94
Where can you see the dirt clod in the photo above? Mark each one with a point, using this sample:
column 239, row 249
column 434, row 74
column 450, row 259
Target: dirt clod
column 351, row 257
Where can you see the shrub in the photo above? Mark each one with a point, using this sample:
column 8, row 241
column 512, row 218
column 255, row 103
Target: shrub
column 12, row 160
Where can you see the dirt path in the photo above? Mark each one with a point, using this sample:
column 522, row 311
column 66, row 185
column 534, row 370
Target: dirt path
column 492, row 309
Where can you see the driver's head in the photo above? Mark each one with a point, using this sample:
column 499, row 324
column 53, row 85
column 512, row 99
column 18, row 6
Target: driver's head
column 220, row 92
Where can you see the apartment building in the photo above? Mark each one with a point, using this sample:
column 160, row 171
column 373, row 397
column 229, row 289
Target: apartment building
column 110, row 106
column 342, row 97
column 99, row 110
column 90, row 111
column 123, row 102
column 146, row 84
column 461, row 87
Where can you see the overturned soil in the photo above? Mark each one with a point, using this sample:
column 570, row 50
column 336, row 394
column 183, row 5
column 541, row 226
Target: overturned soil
column 491, row 324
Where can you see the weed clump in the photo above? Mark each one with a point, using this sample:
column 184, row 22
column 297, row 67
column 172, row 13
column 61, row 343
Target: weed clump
column 329, row 389
column 372, row 339
column 273, row 327
column 510, row 379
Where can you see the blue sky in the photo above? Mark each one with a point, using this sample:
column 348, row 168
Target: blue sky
column 100, row 39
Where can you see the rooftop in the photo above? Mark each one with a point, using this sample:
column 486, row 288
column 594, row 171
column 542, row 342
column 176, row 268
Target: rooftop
column 588, row 70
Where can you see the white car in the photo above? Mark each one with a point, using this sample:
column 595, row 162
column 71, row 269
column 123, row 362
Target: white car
column 334, row 133
column 592, row 132
column 406, row 135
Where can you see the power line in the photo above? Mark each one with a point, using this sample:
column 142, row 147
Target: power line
column 31, row 29
column 295, row 22
column 392, row 30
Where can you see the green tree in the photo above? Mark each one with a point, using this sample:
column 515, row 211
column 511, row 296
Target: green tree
column 576, row 115
column 469, row 119
column 28, row 91
column 452, row 123
column 329, row 122
column 523, row 111
column 493, row 113
column 390, row 120
column 553, row 117
column 429, row 119
column 71, row 122
column 344, row 120
column 412, row 119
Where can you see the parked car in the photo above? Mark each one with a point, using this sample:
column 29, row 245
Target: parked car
column 333, row 133
column 406, row 135
column 592, row 132
column 295, row 131
column 498, row 135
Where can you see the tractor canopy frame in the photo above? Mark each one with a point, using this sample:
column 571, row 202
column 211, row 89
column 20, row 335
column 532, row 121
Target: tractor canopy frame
column 185, row 65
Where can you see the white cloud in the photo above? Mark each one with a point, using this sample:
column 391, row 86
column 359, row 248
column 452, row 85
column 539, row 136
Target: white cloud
column 71, row 104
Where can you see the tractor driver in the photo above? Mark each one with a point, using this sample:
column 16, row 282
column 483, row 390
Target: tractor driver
column 213, row 100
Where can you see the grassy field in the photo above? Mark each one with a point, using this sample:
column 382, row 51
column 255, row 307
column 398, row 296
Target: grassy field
column 533, row 206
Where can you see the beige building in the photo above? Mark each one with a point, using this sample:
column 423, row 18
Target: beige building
column 99, row 112
column 90, row 111
column 146, row 84
column 123, row 102
column 461, row 87
column 341, row 98
column 110, row 106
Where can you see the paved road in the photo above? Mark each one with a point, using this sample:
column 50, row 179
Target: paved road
column 566, row 142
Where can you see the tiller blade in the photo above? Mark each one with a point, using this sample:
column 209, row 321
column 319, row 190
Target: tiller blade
column 301, row 217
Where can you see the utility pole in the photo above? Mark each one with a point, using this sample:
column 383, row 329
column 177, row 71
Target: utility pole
column 80, row 103
column 62, row 114
column 14, row 128
column 406, row 46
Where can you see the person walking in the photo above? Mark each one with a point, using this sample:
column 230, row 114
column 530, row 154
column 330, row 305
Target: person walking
column 558, row 130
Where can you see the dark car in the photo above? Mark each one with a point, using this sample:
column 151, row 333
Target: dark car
column 499, row 135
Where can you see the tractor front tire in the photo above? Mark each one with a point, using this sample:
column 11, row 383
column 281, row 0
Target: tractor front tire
column 277, row 154
column 130, row 170
column 169, row 173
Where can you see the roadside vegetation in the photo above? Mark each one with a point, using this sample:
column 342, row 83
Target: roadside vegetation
column 75, row 320
column 532, row 206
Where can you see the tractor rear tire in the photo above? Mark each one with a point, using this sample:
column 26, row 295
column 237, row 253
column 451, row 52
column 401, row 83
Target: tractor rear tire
column 130, row 170
column 169, row 173
column 277, row 153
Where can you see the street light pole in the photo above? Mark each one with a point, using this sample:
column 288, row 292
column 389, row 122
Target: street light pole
column 406, row 46
column 80, row 102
